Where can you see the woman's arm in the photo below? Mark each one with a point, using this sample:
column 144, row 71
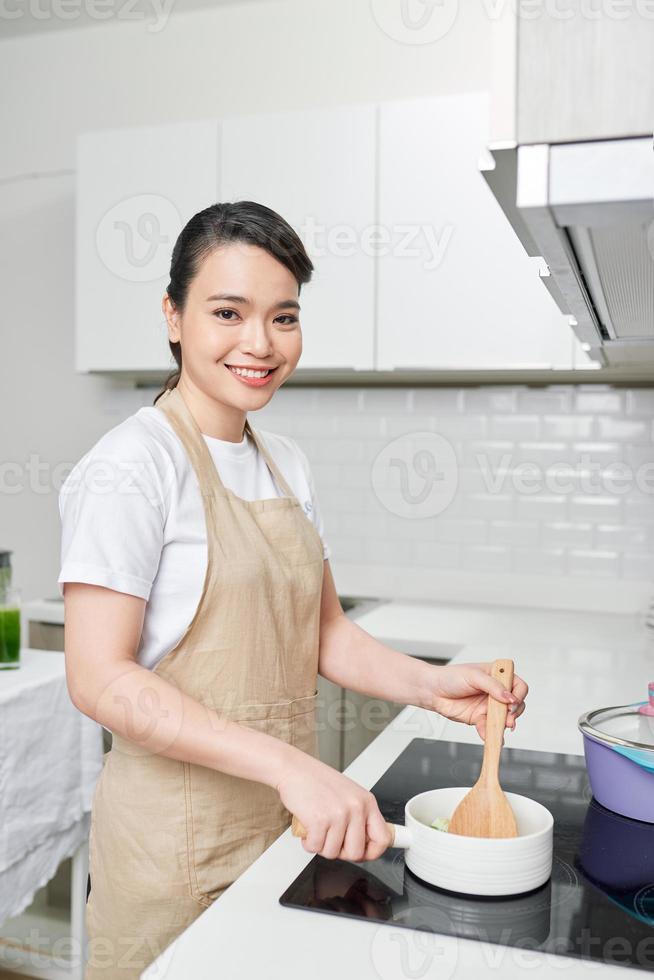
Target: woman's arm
column 105, row 682
column 357, row 661
column 103, row 628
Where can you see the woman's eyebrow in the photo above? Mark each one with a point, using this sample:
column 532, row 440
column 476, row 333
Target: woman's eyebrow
column 285, row 304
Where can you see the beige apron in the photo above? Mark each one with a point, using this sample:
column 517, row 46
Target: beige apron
column 168, row 837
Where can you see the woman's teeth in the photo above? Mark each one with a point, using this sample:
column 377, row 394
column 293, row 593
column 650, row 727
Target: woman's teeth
column 248, row 373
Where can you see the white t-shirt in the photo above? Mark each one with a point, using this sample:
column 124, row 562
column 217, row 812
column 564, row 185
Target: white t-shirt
column 132, row 516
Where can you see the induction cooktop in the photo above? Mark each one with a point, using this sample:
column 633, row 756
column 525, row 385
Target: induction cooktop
column 598, row 904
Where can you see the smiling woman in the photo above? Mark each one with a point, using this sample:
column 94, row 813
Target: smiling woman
column 200, row 608
column 252, row 330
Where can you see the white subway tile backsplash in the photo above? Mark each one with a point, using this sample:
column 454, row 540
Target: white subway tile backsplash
column 599, row 399
column 604, row 453
column 400, row 425
column 638, row 566
column 621, row 537
column 486, row 558
column 543, row 453
column 491, row 506
column 388, row 401
column 461, row 531
column 558, row 427
column 557, row 480
column 488, row 456
column 626, row 430
column 437, row 401
column 380, row 551
column 541, row 508
column 639, row 507
column 567, row 535
column 489, row 400
column 594, row 509
column 518, row 534
column 515, row 427
column 436, row 554
column 456, row 427
column 641, row 460
column 594, row 563
column 544, row 401
column 544, row 561
column 640, row 401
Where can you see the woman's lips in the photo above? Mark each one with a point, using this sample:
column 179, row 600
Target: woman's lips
column 252, row 382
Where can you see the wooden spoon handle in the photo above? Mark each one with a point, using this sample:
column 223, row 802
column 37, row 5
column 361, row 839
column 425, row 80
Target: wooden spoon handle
column 502, row 670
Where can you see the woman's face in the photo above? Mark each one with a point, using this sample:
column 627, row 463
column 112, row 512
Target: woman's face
column 242, row 311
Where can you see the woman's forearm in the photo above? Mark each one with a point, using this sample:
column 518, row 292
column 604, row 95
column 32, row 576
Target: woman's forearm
column 136, row 703
column 357, row 661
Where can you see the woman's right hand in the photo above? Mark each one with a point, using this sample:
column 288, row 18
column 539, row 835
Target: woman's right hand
column 342, row 819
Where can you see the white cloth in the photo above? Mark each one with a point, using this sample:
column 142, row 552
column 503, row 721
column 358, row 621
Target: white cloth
column 133, row 521
column 21, row 881
column 51, row 755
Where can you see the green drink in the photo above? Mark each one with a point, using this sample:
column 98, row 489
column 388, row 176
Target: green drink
column 9, row 630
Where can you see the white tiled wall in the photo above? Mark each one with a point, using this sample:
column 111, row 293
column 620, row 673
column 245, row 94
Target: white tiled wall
column 595, row 521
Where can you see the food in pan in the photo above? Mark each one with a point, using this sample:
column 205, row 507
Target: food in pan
column 440, row 823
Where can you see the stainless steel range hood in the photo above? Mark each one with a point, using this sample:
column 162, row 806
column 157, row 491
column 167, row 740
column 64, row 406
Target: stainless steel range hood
column 588, row 209
column 572, row 167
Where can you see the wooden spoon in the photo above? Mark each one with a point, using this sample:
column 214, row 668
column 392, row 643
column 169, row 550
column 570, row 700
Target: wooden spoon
column 485, row 810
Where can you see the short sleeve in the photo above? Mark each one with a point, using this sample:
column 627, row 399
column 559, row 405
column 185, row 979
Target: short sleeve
column 315, row 512
column 112, row 514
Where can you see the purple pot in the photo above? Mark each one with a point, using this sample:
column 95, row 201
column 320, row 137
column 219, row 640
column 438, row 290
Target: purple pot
column 619, row 750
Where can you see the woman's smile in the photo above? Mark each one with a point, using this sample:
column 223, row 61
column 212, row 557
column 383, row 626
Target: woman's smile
column 255, row 377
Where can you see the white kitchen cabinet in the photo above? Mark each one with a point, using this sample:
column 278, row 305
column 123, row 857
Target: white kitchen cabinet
column 317, row 169
column 136, row 189
column 456, row 289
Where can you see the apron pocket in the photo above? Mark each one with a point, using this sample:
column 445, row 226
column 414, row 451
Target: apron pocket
column 231, row 821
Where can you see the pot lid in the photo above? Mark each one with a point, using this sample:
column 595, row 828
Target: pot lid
column 629, row 725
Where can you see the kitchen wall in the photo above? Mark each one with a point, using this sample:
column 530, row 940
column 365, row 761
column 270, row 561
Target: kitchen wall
column 245, row 57
column 536, row 495
column 131, row 70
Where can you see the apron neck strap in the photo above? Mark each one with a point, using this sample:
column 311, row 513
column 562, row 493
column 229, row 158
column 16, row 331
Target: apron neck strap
column 172, row 404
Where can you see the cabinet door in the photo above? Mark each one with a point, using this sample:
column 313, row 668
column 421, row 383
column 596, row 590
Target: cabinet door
column 456, row 289
column 364, row 718
column 328, row 722
column 136, row 189
column 316, row 168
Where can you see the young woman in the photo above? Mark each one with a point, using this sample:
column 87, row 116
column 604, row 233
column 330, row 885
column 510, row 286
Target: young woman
column 200, row 608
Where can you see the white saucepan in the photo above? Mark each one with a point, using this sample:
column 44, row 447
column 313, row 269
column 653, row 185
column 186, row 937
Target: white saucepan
column 475, row 865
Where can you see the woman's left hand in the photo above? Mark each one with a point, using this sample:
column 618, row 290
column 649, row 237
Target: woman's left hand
column 460, row 693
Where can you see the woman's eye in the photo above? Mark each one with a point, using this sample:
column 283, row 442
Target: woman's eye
column 287, row 317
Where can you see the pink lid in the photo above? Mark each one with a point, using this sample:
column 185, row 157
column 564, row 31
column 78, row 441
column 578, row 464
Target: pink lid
column 648, row 709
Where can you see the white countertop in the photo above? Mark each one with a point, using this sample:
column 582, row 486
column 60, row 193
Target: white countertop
column 571, row 661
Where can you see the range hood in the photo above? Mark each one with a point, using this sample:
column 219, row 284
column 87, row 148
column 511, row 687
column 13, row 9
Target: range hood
column 588, row 209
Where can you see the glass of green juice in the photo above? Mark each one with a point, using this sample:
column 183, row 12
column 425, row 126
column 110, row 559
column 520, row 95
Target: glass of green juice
column 9, row 628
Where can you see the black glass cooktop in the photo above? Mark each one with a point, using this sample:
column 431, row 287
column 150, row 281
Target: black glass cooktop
column 598, row 904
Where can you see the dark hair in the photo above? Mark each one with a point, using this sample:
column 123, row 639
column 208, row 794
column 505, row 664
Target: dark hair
column 222, row 224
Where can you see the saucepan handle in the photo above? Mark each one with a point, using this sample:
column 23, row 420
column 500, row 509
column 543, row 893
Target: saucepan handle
column 399, row 835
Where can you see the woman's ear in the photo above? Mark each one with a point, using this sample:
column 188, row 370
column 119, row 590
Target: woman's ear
column 172, row 318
